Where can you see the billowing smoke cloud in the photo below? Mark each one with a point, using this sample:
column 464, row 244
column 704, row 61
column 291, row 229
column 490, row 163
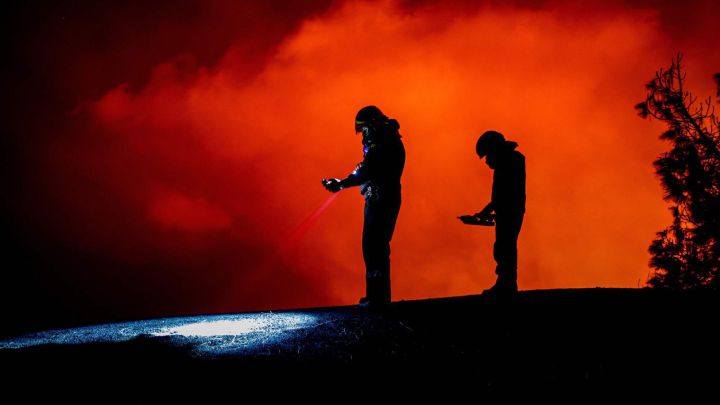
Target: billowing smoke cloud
column 186, row 192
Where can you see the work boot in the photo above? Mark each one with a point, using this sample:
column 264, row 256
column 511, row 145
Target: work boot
column 374, row 304
column 502, row 289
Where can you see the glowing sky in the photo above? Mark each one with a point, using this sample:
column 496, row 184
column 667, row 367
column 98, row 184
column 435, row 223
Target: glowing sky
column 178, row 192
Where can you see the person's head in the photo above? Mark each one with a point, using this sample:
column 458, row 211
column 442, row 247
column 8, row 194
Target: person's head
column 368, row 119
column 488, row 145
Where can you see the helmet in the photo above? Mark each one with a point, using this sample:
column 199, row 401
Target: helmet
column 487, row 142
column 367, row 116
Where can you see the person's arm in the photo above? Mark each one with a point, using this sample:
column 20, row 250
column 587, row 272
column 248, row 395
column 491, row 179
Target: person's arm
column 360, row 175
column 356, row 178
column 489, row 209
column 484, row 217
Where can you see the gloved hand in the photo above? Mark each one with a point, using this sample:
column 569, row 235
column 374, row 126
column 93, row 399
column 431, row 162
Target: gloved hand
column 468, row 219
column 476, row 219
column 485, row 213
column 332, row 185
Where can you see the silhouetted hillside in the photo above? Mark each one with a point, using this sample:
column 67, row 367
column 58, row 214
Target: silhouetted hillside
column 593, row 340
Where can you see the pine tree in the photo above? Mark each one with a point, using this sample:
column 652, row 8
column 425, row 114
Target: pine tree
column 687, row 253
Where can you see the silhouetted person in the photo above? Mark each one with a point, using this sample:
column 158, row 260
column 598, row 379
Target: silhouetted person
column 378, row 176
column 506, row 208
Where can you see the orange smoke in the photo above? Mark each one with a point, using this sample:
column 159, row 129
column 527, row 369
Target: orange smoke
column 221, row 164
column 563, row 91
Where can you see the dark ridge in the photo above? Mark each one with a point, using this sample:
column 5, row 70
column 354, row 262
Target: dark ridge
column 591, row 340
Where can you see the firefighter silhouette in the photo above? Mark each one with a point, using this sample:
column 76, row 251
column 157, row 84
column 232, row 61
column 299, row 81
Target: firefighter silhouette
column 378, row 176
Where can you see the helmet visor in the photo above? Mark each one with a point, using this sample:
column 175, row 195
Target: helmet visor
column 359, row 126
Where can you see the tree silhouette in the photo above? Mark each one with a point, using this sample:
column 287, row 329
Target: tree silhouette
column 687, row 253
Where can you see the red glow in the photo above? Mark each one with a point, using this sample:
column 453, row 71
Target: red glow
column 185, row 214
column 199, row 174
column 305, row 225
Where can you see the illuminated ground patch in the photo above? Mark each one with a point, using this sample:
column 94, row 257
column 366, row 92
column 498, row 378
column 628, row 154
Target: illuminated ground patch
column 206, row 335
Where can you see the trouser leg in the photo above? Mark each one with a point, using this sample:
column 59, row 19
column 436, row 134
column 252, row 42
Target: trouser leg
column 505, row 252
column 378, row 228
